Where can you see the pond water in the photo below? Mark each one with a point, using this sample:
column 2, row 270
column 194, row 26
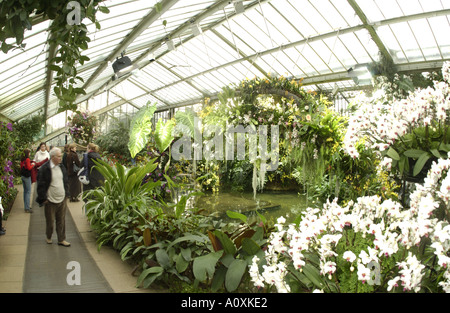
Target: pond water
column 270, row 204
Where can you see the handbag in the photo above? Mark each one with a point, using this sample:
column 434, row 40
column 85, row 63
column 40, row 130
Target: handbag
column 83, row 173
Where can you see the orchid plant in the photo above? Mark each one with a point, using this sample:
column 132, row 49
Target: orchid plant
column 409, row 133
column 369, row 245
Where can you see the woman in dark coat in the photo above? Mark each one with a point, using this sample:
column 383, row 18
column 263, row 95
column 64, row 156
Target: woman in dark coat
column 95, row 178
column 74, row 183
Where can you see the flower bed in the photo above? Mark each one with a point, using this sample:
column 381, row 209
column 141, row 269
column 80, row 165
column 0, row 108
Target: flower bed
column 369, row 245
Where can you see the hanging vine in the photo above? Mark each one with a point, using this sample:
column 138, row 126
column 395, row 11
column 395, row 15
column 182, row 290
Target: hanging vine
column 67, row 33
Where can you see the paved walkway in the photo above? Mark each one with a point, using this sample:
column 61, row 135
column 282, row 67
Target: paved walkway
column 28, row 264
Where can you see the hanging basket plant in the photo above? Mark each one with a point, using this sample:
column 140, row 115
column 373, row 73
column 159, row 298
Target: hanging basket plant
column 68, row 38
column 82, row 127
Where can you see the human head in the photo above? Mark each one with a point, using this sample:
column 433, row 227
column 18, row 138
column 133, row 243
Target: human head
column 42, row 146
column 55, row 155
column 26, row 154
column 72, row 147
column 92, row 147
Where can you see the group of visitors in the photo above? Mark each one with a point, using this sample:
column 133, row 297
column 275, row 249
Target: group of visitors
column 56, row 176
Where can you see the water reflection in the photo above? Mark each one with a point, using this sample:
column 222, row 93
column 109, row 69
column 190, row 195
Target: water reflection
column 271, row 204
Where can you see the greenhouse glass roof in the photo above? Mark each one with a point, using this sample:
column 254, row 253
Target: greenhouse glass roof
column 183, row 51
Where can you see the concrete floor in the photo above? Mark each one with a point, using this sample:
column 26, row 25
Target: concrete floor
column 28, row 264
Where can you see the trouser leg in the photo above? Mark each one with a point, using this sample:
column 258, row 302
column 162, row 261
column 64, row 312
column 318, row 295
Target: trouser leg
column 49, row 211
column 60, row 217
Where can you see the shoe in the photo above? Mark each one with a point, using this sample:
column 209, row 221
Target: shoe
column 49, row 241
column 2, row 232
column 64, row 243
column 29, row 211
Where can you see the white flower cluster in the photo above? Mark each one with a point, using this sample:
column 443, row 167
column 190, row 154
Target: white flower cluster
column 411, row 274
column 390, row 225
column 380, row 123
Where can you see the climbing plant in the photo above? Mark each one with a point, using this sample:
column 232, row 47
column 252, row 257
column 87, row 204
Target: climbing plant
column 67, row 34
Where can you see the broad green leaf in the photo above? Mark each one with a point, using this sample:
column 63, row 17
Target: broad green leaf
column 163, row 258
column 313, row 275
column 140, row 129
column 250, row 246
column 234, row 274
column 226, row 242
column 147, row 272
column 401, row 164
column 414, row 153
column 190, row 237
column 436, row 153
column 180, row 263
column 420, row 163
column 163, row 134
column 185, row 122
column 186, row 253
column 236, row 215
column 204, row 266
column 219, row 278
column 393, row 154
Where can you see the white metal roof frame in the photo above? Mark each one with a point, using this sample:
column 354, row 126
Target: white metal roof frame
column 317, row 41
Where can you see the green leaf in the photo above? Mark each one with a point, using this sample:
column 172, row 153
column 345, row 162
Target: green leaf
column 186, row 253
column 204, row 266
column 236, row 215
column 250, row 246
column 163, row 134
column 147, row 272
column 163, row 258
column 219, row 278
column 234, row 274
column 414, row 153
column 402, row 163
column 436, row 153
column 104, row 10
column 313, row 275
column 140, row 129
column 181, row 263
column 393, row 154
column 226, row 242
column 420, row 163
column 185, row 122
